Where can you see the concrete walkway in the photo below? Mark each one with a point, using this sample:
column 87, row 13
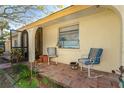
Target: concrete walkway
column 3, row 60
column 5, row 65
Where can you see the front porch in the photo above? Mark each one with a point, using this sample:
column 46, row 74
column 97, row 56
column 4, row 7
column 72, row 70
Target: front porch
column 63, row 75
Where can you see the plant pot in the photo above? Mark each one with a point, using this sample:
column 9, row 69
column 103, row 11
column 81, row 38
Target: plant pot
column 74, row 65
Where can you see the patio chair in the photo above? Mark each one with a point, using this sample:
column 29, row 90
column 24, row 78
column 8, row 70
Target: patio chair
column 52, row 53
column 93, row 59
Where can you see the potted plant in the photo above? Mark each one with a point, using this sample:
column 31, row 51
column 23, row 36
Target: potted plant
column 61, row 42
column 120, row 72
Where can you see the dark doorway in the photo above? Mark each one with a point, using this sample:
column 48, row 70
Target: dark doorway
column 38, row 43
column 24, row 45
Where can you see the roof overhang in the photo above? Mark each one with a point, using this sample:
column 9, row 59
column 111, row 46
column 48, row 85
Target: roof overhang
column 64, row 12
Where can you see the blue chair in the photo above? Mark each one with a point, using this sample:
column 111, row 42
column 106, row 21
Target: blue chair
column 93, row 58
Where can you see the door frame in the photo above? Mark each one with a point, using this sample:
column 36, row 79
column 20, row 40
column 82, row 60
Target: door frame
column 39, row 42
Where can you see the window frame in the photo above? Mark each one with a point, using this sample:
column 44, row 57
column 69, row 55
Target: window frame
column 69, row 31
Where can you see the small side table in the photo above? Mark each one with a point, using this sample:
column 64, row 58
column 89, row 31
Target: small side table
column 80, row 61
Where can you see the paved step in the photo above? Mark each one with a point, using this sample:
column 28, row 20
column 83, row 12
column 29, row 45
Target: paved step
column 8, row 77
column 5, row 65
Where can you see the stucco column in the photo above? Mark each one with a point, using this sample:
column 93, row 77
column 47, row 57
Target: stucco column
column 120, row 9
column 123, row 38
column 31, row 34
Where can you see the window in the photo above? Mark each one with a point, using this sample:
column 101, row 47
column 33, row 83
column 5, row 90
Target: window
column 15, row 43
column 69, row 37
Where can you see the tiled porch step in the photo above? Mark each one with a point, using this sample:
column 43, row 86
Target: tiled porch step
column 64, row 75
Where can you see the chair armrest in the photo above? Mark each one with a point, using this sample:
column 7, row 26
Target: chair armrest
column 84, row 56
column 81, row 60
column 92, row 60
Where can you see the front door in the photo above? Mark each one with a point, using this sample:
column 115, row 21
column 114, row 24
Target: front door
column 38, row 43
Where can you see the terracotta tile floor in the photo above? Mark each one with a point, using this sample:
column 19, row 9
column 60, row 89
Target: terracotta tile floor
column 65, row 76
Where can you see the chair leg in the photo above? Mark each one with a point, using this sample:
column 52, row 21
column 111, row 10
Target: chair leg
column 81, row 67
column 89, row 73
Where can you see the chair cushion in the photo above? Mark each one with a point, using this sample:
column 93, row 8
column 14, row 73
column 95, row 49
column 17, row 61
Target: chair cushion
column 86, row 61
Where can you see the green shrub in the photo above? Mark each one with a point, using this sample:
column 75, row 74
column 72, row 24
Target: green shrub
column 19, row 67
column 45, row 80
column 26, row 79
column 17, row 53
column 25, row 74
column 23, row 71
column 50, row 83
column 24, row 83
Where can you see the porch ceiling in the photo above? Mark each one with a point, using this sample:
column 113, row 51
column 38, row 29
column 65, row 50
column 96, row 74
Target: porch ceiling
column 56, row 15
column 81, row 13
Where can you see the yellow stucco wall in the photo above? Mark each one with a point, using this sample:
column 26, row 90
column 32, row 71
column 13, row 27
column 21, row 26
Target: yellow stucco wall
column 97, row 30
